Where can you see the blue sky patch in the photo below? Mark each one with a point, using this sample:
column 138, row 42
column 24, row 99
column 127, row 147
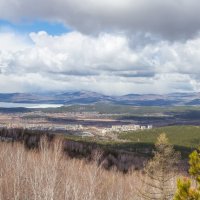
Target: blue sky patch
column 36, row 26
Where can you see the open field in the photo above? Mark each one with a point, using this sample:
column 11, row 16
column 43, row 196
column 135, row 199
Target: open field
column 186, row 136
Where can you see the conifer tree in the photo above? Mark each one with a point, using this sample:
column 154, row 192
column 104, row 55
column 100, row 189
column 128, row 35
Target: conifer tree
column 160, row 171
column 189, row 189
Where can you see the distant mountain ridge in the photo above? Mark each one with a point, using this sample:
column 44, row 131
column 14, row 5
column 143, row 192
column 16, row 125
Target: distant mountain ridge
column 87, row 97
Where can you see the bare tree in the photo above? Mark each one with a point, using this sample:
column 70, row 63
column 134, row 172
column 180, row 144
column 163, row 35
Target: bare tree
column 160, row 172
column 48, row 174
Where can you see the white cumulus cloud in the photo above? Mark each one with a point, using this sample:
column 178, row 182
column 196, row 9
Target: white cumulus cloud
column 104, row 63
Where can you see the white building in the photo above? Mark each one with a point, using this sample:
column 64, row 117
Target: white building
column 122, row 128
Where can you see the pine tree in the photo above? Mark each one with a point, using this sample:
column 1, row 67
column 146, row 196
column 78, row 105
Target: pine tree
column 160, row 171
column 185, row 189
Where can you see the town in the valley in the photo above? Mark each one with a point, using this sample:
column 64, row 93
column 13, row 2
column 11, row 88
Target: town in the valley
column 73, row 123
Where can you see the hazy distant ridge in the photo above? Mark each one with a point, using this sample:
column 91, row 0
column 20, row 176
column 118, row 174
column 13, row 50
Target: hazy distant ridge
column 85, row 97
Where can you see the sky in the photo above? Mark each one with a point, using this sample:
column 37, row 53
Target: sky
column 113, row 47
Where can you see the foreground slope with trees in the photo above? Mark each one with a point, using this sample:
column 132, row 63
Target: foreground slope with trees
column 46, row 172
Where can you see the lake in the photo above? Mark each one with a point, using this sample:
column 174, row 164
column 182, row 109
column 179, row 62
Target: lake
column 28, row 105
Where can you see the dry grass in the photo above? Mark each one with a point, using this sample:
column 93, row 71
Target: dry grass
column 49, row 175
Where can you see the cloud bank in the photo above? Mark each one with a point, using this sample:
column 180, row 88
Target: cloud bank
column 105, row 63
column 115, row 47
column 169, row 19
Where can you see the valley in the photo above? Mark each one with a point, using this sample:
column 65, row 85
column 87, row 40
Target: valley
column 111, row 125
